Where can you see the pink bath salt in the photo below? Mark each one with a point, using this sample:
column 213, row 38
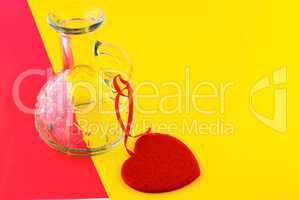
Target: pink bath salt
column 55, row 114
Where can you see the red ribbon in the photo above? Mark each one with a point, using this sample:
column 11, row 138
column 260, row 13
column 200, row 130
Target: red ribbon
column 129, row 95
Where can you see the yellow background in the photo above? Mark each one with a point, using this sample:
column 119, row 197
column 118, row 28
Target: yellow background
column 219, row 41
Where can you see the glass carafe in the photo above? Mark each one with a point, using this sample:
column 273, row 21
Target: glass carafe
column 75, row 109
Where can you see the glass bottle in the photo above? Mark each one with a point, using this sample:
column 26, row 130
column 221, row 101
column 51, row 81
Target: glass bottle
column 75, row 109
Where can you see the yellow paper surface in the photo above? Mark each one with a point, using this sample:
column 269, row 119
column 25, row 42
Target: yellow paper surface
column 235, row 67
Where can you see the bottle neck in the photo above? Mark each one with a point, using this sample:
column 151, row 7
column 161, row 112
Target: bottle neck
column 77, row 49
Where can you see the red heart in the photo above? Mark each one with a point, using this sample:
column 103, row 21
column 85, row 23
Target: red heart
column 160, row 163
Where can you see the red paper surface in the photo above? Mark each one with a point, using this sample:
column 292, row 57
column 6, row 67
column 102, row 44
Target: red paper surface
column 28, row 167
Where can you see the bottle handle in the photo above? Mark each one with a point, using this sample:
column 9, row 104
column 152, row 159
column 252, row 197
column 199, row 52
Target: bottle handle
column 122, row 61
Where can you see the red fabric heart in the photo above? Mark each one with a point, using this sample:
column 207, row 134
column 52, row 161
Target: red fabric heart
column 161, row 163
